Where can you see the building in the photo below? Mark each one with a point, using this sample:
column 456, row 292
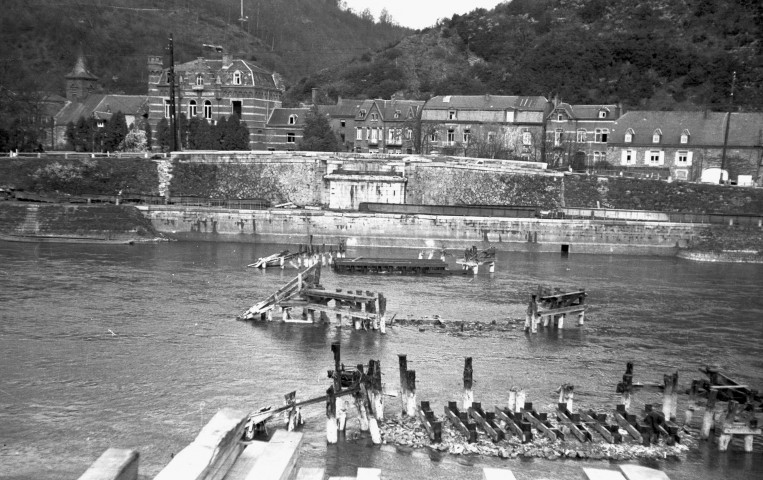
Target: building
column 285, row 127
column 693, row 146
column 491, row 126
column 84, row 99
column 212, row 88
column 577, row 135
column 342, row 120
column 386, row 126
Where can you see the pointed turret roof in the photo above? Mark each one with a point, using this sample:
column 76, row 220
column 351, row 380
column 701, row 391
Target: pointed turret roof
column 80, row 70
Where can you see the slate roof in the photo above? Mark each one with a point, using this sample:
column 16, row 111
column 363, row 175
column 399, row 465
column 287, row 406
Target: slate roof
column 348, row 107
column 102, row 107
column 280, row 117
column 387, row 108
column 486, row 102
column 80, row 70
column 587, row 112
column 705, row 128
column 215, row 67
column 74, row 110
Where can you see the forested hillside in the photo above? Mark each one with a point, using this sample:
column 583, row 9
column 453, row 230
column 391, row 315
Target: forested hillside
column 41, row 38
column 656, row 54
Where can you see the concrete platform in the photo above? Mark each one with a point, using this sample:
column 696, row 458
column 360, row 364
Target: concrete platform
column 497, row 474
column 246, row 460
column 277, row 460
column 637, row 472
column 310, row 473
column 114, row 464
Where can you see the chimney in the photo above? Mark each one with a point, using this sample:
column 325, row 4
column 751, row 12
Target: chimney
column 227, row 59
column 315, row 96
column 339, row 100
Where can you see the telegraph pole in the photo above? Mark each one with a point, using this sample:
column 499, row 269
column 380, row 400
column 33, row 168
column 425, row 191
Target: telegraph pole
column 171, row 78
column 728, row 122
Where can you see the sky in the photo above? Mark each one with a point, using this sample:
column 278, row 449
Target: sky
column 420, row 13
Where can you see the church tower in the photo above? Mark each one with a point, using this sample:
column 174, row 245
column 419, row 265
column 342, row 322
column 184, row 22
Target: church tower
column 80, row 82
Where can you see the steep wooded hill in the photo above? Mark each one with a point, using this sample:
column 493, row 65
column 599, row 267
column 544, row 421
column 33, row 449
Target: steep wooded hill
column 656, row 54
column 40, row 39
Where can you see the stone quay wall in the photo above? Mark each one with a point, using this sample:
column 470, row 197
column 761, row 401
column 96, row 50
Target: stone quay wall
column 293, row 227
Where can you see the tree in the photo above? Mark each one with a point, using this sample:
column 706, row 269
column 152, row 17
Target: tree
column 148, row 133
column 420, row 132
column 114, row 132
column 236, row 134
column 134, row 141
column 317, row 135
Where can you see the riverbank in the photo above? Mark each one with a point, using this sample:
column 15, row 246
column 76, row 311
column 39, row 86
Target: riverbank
column 63, row 223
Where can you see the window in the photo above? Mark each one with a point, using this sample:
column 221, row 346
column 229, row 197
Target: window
column 291, row 137
column 292, row 119
column 451, row 136
column 433, row 137
column 510, row 116
column 560, row 117
column 236, row 78
column 374, row 117
column 359, row 133
column 682, row 175
column 166, row 109
column 596, row 158
column 199, row 80
column 451, row 115
column 656, row 136
column 361, row 113
column 685, row 136
column 374, row 135
column 236, row 104
column 603, row 113
column 654, row 157
column 397, row 113
column 683, row 158
column 582, row 136
column 601, row 135
column 207, row 109
column 100, row 124
column 192, row 109
column 490, row 137
column 557, row 137
column 467, row 135
column 629, row 157
column 527, row 138
column 342, row 123
column 391, row 135
column 408, row 133
column 629, row 135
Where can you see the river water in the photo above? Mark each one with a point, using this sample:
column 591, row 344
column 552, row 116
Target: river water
column 138, row 346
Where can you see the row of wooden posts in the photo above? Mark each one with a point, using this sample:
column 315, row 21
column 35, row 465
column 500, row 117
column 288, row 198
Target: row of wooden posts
column 520, row 418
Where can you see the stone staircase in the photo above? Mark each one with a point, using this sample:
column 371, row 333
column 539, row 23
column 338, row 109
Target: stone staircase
column 31, row 224
column 164, row 169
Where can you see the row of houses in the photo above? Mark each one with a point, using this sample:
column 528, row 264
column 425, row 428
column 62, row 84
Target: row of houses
column 683, row 145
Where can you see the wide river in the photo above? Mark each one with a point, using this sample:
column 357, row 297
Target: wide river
column 138, row 346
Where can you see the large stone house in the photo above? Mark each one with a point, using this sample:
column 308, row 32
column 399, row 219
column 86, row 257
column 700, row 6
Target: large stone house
column 577, row 135
column 341, row 119
column 213, row 88
column 493, row 126
column 693, row 146
column 285, row 128
column 386, row 126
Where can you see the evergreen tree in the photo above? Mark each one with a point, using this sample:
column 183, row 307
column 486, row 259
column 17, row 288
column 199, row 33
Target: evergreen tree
column 147, row 132
column 205, row 140
column 193, row 134
column 82, row 137
column 182, row 126
column 163, row 134
column 317, row 135
column 220, row 133
column 236, row 134
column 114, row 132
column 71, row 135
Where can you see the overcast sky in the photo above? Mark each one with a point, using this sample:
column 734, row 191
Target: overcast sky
column 420, row 13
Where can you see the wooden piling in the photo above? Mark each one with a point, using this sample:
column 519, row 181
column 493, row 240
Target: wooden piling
column 403, row 366
column 361, row 397
column 566, row 395
column 468, row 392
column 332, row 431
column 670, row 396
column 625, row 388
column 410, row 407
column 708, row 419
column 512, row 398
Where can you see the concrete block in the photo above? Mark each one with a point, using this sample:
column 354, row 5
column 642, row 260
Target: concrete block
column 279, row 457
column 114, row 464
column 246, row 461
column 599, row 474
column 311, row 473
column 637, row 472
column 497, row 474
column 369, row 474
column 213, row 452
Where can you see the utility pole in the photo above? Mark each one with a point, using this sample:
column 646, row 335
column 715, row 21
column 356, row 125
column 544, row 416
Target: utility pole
column 728, row 122
column 171, row 78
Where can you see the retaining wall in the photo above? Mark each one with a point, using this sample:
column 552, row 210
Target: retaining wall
column 291, row 227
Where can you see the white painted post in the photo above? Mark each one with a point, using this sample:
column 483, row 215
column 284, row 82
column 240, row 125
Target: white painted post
column 476, row 269
column 341, row 413
column 561, row 321
column 748, row 443
column 373, row 427
column 513, row 399
column 491, row 268
column 581, row 318
column 520, row 404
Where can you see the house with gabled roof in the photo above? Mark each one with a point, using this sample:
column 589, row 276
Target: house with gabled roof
column 341, row 119
column 499, row 126
column 693, row 146
column 577, row 135
column 285, row 127
column 212, row 88
column 386, row 126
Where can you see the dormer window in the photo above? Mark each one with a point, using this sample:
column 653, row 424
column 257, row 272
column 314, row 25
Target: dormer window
column 361, row 113
column 374, row 117
column 292, row 119
column 657, row 136
column 451, row 115
column 603, row 113
column 629, row 135
column 236, row 78
column 199, row 80
column 397, row 113
column 685, row 136
column 560, row 117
